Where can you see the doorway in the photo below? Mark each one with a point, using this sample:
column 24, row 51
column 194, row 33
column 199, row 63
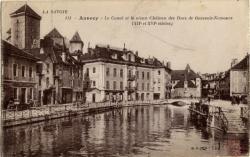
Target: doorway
column 23, row 96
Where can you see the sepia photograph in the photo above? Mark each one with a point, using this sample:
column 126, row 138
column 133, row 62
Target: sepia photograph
column 129, row 78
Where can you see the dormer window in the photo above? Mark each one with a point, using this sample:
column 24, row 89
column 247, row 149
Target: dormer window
column 143, row 61
column 129, row 57
column 114, row 56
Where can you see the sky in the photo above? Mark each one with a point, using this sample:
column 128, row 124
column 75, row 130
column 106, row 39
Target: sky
column 207, row 45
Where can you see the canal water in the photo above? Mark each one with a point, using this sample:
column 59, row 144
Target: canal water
column 143, row 131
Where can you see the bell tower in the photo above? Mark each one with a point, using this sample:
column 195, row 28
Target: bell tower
column 25, row 28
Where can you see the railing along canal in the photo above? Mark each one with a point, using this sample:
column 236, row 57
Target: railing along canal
column 43, row 111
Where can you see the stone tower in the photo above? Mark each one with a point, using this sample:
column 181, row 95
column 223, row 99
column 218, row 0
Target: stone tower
column 76, row 43
column 25, row 28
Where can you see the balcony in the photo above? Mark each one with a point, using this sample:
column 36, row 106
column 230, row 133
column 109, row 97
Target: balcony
column 131, row 77
column 131, row 89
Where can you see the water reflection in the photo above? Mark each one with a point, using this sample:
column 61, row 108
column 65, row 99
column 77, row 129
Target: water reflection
column 139, row 131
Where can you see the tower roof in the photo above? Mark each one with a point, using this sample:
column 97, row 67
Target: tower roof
column 76, row 38
column 25, row 10
column 54, row 34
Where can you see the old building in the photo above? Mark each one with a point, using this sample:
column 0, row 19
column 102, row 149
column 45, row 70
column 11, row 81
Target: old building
column 60, row 74
column 19, row 75
column 25, row 28
column 185, row 83
column 224, row 86
column 210, row 84
column 120, row 75
column 239, row 78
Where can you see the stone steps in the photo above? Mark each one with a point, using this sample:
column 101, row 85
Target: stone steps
column 235, row 123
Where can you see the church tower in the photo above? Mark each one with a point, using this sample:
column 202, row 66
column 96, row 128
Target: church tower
column 25, row 28
column 76, row 43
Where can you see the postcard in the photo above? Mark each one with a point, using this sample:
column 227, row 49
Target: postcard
column 142, row 78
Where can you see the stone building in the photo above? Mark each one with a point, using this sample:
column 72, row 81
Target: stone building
column 185, row 83
column 121, row 75
column 25, row 28
column 60, row 75
column 19, row 75
column 239, row 78
column 224, row 86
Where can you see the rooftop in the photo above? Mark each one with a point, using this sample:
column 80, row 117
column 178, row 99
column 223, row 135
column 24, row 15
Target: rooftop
column 25, row 10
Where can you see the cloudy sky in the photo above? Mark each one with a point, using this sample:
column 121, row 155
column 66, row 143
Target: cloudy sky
column 207, row 45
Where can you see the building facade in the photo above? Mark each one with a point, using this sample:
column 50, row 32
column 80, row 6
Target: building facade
column 239, row 78
column 121, row 75
column 19, row 75
column 185, row 83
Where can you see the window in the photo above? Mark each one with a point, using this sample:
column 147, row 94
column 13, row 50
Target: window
column 129, row 73
column 159, row 72
column 129, row 84
column 159, row 80
column 94, row 70
column 121, row 73
column 129, row 57
column 15, row 70
column 142, row 86
column 107, row 71
column 30, row 96
column 159, row 88
column 23, row 71
column 87, row 71
column 93, row 83
column 148, row 86
column 137, row 74
column 40, row 81
column 47, row 82
column 114, row 85
column 121, row 85
column 72, row 83
column 107, row 84
column 15, row 93
column 148, row 75
column 30, row 72
column 142, row 75
column 47, row 67
column 114, row 72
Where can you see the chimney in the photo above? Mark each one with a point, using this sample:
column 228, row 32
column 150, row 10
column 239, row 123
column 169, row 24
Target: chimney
column 136, row 53
column 108, row 47
column 234, row 62
column 169, row 65
column 63, row 56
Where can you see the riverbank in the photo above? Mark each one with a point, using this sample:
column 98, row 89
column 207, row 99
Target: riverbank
column 11, row 118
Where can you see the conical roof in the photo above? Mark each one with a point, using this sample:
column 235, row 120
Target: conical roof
column 25, row 10
column 54, row 34
column 76, row 38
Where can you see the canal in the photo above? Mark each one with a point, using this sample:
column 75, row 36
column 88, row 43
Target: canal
column 150, row 131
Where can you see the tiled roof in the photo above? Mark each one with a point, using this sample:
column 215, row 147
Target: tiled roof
column 184, row 74
column 25, row 9
column 242, row 64
column 108, row 53
column 54, row 34
column 76, row 38
column 11, row 50
column 180, row 84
